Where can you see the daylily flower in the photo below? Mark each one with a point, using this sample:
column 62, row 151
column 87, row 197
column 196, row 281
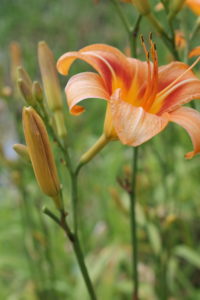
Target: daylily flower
column 194, row 5
column 194, row 52
column 142, row 98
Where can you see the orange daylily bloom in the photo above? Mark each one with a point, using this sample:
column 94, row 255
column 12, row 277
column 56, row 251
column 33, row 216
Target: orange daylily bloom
column 194, row 5
column 194, row 52
column 142, row 98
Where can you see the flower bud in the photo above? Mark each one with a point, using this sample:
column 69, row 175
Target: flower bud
column 49, row 77
column 22, row 74
column 51, row 85
column 25, row 92
column 24, row 83
column 174, row 7
column 143, row 6
column 16, row 60
column 37, row 91
column 41, row 154
column 22, row 151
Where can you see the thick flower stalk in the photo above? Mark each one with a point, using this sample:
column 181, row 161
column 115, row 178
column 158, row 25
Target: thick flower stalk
column 142, row 98
column 41, row 155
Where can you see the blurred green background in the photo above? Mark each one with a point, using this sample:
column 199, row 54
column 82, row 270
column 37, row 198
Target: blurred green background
column 36, row 262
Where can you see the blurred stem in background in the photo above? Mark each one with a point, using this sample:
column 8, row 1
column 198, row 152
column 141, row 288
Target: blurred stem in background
column 132, row 33
column 26, row 222
column 133, row 224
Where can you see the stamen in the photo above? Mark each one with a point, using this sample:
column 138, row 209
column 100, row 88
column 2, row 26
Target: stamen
column 146, row 94
column 154, row 81
column 144, row 47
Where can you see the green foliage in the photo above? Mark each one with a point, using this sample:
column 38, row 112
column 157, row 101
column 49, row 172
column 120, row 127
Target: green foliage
column 36, row 261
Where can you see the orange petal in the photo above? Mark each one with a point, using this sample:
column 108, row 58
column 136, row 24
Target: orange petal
column 183, row 91
column 83, row 86
column 194, row 5
column 194, row 52
column 108, row 61
column 189, row 119
column 133, row 125
column 168, row 73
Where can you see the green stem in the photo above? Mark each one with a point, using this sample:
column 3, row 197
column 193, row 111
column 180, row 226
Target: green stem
column 79, row 255
column 74, row 201
column 195, row 29
column 169, row 42
column 132, row 34
column 133, row 224
column 131, row 31
column 122, row 16
column 49, row 257
column 133, row 37
column 30, row 225
column 74, row 239
column 84, row 271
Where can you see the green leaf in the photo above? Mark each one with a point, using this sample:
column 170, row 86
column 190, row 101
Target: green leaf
column 190, row 255
column 154, row 238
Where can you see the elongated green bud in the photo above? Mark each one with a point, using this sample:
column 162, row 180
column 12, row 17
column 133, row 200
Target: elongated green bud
column 16, row 60
column 26, row 92
column 49, row 77
column 37, row 91
column 51, row 85
column 24, row 83
column 22, row 74
column 41, row 154
column 22, row 151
